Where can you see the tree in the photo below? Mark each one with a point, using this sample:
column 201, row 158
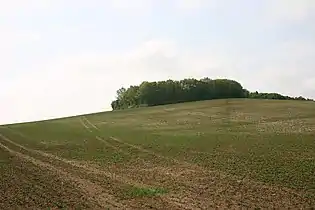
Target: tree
column 170, row 91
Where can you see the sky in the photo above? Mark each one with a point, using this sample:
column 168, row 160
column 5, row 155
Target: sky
column 66, row 57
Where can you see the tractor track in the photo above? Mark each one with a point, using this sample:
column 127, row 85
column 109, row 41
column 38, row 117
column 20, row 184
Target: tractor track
column 93, row 191
column 225, row 190
column 193, row 187
column 63, row 167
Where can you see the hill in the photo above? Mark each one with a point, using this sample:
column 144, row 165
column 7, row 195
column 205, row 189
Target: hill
column 187, row 90
column 223, row 153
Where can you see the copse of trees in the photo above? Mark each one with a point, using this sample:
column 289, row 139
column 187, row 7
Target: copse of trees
column 186, row 90
column 276, row 96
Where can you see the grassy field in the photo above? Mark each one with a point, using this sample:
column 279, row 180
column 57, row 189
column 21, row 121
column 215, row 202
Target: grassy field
column 200, row 155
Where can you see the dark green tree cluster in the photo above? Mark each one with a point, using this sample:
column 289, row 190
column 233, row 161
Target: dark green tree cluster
column 276, row 96
column 170, row 92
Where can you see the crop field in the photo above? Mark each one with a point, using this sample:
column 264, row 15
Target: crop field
column 200, row 155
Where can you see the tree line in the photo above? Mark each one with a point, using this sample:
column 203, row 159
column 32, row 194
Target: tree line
column 186, row 90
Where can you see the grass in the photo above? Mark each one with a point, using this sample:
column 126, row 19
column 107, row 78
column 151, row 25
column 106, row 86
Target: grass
column 265, row 141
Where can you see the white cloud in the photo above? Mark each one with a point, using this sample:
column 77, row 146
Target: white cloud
column 289, row 10
column 272, row 10
column 11, row 40
column 279, row 10
column 189, row 5
column 288, row 68
column 134, row 5
column 309, row 84
column 43, row 7
column 21, row 7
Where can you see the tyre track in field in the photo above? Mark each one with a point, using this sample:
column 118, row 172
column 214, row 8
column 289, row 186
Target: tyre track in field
column 77, row 164
column 139, row 148
column 183, row 166
column 87, row 167
column 92, row 170
column 84, row 125
column 136, row 147
column 183, row 201
column 227, row 190
column 192, row 167
column 93, row 192
column 111, row 145
column 187, row 198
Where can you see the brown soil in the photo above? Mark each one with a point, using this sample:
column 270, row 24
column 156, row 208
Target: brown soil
column 34, row 179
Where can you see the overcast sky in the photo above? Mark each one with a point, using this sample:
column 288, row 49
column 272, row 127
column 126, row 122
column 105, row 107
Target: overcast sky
column 66, row 57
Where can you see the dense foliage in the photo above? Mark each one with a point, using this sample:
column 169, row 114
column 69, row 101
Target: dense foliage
column 170, row 92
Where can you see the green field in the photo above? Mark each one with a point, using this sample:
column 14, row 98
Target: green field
column 221, row 153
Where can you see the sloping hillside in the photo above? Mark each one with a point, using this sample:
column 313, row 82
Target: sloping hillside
column 199, row 155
